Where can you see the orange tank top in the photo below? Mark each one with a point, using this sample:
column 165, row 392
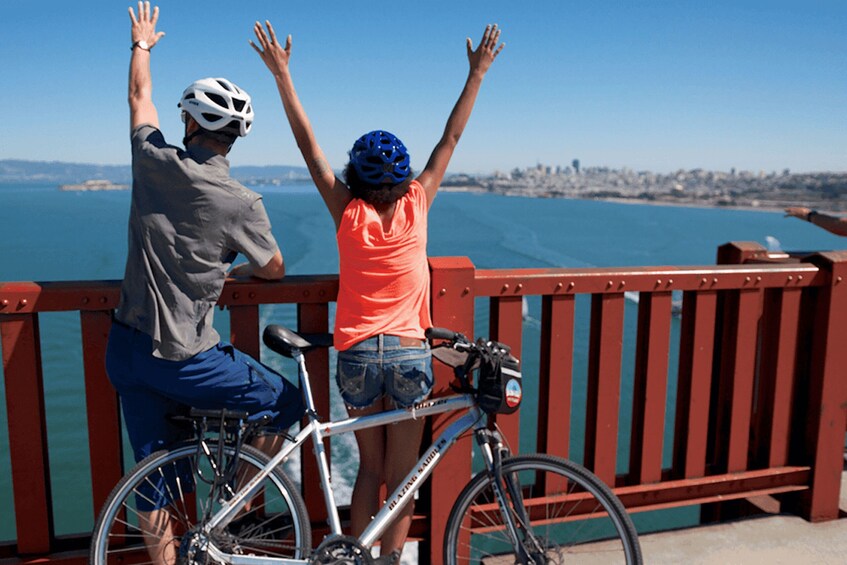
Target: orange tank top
column 383, row 276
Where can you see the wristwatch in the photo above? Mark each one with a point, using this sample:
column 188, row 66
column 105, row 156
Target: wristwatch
column 140, row 43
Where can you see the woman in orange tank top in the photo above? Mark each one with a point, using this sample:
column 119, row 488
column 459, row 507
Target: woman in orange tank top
column 380, row 216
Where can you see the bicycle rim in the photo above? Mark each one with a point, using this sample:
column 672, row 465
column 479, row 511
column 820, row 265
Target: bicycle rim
column 563, row 514
column 159, row 509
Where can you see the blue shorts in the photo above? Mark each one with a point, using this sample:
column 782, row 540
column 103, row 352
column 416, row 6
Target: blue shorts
column 380, row 366
column 151, row 388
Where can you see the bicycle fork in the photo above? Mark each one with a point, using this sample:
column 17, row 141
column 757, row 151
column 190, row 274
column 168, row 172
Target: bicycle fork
column 507, row 490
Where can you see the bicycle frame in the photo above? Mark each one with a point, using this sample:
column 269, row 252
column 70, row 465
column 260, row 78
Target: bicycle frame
column 317, row 431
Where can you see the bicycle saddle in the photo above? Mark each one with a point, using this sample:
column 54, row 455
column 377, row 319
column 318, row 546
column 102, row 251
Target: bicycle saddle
column 285, row 342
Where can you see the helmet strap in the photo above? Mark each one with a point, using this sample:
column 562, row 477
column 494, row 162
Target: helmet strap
column 223, row 139
column 187, row 139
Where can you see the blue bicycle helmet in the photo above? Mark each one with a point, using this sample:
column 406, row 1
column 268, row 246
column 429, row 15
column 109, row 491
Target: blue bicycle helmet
column 379, row 157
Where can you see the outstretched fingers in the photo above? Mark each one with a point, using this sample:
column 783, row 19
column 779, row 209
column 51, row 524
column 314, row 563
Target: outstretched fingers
column 497, row 51
column 261, row 37
column 486, row 35
column 271, row 32
column 490, row 39
column 144, row 11
column 267, row 39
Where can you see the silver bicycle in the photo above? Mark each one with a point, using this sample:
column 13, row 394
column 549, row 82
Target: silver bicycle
column 216, row 499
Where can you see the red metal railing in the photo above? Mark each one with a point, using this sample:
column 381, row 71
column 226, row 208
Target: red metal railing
column 760, row 396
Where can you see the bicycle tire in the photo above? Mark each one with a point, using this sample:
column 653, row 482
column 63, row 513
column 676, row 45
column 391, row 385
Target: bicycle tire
column 572, row 514
column 276, row 524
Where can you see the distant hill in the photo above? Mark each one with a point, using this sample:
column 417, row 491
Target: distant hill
column 20, row 171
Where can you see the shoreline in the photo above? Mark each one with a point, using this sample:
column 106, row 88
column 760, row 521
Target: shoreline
column 690, row 203
column 828, row 206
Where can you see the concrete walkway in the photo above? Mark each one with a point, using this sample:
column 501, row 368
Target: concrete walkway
column 773, row 540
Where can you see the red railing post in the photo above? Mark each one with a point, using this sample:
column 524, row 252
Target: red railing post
column 696, row 347
column 555, row 375
column 244, row 329
column 604, row 385
column 506, row 326
column 650, row 386
column 102, row 407
column 827, row 384
column 452, row 291
column 776, row 377
column 27, row 432
column 734, row 399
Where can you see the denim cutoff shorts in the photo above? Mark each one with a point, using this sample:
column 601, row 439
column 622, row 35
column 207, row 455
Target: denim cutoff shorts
column 379, row 366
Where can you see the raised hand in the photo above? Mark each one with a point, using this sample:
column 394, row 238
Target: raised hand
column 481, row 58
column 274, row 55
column 798, row 212
column 144, row 27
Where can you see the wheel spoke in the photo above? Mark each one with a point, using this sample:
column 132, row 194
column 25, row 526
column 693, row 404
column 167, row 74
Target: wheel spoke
column 555, row 523
column 159, row 502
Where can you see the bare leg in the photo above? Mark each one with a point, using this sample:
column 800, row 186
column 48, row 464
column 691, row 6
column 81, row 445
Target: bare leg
column 158, row 536
column 365, row 501
column 403, row 444
column 267, row 444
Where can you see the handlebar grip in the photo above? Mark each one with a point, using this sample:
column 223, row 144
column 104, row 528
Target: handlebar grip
column 441, row 333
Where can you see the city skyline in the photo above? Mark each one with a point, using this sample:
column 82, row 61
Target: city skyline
column 745, row 85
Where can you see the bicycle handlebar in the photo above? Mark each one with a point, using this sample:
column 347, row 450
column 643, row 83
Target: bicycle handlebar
column 444, row 333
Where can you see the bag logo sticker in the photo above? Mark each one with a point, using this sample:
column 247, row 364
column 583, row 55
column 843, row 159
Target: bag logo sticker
column 513, row 393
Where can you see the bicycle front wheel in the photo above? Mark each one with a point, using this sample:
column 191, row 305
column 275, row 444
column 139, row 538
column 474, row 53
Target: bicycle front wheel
column 157, row 511
column 560, row 512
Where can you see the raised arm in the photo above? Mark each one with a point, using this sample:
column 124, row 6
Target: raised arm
column 480, row 60
column 144, row 37
column 335, row 193
column 832, row 224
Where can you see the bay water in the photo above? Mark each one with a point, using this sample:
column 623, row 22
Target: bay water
column 50, row 235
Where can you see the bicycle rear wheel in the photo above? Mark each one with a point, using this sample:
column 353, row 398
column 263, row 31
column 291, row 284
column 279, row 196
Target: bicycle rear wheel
column 562, row 512
column 160, row 506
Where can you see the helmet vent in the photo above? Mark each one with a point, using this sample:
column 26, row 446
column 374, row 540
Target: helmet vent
column 224, row 85
column 217, row 99
column 211, row 117
column 239, row 104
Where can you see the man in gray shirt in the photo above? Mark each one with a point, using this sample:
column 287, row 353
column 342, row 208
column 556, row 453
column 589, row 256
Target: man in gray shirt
column 188, row 221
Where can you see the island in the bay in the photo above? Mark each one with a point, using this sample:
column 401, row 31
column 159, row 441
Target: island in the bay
column 94, row 184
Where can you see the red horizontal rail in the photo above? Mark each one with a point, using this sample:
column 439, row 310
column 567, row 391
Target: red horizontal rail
column 760, row 404
column 522, row 282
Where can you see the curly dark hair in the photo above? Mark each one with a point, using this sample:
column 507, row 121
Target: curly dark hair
column 375, row 193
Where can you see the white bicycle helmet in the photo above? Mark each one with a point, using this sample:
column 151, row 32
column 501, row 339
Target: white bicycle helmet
column 218, row 105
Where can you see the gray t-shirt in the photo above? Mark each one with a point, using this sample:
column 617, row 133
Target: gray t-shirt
column 188, row 221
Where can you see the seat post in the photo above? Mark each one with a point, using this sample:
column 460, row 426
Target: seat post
column 305, row 383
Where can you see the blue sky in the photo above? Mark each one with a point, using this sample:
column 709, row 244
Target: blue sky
column 650, row 85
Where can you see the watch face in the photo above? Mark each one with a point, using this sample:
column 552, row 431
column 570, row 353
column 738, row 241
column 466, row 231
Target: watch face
column 143, row 45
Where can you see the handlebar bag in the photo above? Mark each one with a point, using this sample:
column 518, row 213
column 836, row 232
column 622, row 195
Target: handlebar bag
column 499, row 379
